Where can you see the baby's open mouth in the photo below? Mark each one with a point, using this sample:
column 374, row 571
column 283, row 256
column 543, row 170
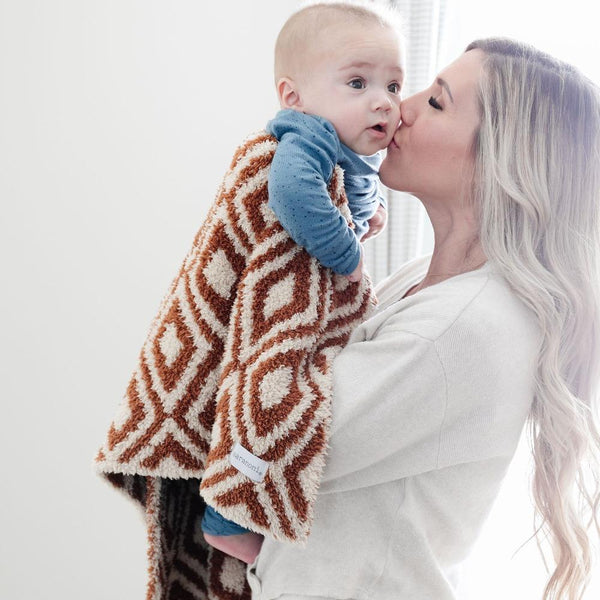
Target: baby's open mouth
column 378, row 128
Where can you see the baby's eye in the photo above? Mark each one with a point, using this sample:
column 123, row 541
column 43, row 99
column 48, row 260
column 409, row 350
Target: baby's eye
column 394, row 87
column 357, row 83
column 433, row 102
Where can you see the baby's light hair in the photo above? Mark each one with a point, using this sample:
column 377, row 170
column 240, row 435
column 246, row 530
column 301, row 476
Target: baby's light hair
column 299, row 37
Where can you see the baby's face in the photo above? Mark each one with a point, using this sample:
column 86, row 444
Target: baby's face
column 355, row 83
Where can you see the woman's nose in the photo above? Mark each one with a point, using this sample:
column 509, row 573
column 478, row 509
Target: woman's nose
column 407, row 113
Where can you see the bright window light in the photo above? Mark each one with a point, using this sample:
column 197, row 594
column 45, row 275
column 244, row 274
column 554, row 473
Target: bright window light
column 567, row 30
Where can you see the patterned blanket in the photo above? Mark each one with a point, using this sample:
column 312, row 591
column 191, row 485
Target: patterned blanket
column 230, row 401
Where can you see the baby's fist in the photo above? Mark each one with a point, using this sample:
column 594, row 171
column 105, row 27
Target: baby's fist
column 376, row 223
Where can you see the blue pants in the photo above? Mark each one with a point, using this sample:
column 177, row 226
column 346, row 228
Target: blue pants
column 215, row 524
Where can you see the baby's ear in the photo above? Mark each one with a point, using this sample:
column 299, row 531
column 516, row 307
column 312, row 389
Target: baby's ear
column 287, row 92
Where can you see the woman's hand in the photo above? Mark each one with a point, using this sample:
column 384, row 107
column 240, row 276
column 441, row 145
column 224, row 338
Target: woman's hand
column 376, row 223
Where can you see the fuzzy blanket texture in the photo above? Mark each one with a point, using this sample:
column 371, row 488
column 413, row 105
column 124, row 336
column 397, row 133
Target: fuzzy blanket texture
column 230, row 402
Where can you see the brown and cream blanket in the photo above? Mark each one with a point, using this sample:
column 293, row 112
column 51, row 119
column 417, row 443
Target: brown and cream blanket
column 230, row 401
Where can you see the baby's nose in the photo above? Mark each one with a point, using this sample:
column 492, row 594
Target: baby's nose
column 382, row 101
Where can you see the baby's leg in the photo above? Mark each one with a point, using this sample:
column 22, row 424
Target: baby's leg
column 244, row 546
column 229, row 537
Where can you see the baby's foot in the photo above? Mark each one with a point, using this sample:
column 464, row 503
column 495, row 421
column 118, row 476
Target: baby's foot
column 244, row 546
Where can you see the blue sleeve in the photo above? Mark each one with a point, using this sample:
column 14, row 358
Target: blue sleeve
column 364, row 198
column 361, row 182
column 302, row 166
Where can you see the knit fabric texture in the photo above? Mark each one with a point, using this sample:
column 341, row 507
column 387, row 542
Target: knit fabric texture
column 238, row 357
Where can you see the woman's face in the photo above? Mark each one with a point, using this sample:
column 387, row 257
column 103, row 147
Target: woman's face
column 431, row 154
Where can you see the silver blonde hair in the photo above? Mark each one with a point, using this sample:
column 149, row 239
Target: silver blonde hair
column 537, row 187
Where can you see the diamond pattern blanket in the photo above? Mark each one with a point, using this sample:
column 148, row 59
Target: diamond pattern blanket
column 230, row 401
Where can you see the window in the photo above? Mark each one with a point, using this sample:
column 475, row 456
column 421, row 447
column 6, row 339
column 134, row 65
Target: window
column 567, row 31
column 504, row 563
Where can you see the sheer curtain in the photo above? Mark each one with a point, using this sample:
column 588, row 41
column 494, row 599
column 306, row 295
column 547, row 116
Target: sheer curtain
column 409, row 233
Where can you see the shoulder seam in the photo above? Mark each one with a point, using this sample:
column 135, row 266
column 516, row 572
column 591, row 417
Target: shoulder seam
column 443, row 420
column 450, row 325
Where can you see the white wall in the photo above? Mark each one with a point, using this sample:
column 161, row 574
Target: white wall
column 117, row 121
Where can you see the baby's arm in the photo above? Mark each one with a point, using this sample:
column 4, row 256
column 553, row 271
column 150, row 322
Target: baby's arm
column 357, row 274
column 300, row 171
column 376, row 225
column 365, row 198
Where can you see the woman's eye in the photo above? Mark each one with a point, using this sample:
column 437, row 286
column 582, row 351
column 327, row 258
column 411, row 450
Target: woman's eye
column 433, row 102
column 357, row 84
column 394, row 87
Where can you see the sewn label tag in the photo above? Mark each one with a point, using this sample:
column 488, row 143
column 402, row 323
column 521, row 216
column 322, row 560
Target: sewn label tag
column 245, row 462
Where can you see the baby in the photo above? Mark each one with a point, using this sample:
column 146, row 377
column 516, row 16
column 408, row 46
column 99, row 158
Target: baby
column 338, row 75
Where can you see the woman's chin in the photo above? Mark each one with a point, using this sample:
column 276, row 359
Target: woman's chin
column 386, row 172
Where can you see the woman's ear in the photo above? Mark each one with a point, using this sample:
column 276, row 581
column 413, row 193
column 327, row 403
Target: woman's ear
column 287, row 92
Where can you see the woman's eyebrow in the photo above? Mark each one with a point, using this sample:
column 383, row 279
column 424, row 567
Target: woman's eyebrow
column 445, row 85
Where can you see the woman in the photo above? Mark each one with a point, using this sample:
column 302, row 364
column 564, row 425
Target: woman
column 498, row 325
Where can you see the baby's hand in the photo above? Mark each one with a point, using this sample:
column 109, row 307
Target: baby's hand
column 376, row 223
column 357, row 274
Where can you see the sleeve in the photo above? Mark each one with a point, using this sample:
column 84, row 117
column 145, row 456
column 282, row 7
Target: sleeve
column 388, row 409
column 405, row 404
column 363, row 199
column 298, row 179
column 361, row 182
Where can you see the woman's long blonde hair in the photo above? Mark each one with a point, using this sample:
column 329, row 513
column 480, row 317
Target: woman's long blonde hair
column 537, row 184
